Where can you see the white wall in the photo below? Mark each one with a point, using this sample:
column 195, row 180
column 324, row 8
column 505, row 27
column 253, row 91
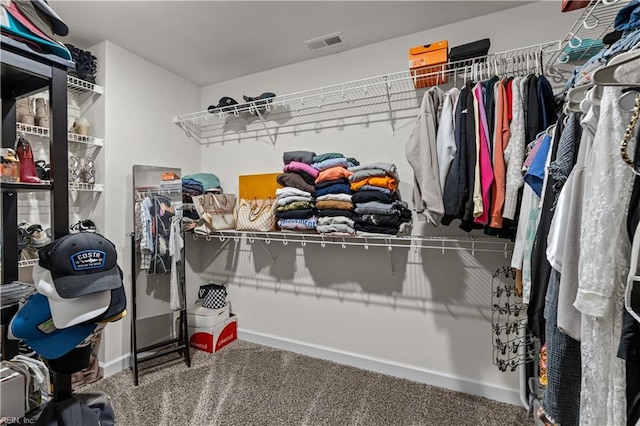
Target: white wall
column 433, row 313
column 140, row 100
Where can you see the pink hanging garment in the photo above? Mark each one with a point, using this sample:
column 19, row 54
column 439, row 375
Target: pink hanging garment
column 486, row 170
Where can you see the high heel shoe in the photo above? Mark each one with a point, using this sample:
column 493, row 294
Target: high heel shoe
column 28, row 172
column 89, row 170
column 74, row 169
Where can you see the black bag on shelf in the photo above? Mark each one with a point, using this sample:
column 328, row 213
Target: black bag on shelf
column 213, row 296
column 468, row 51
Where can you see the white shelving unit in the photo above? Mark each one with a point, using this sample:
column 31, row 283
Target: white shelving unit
column 84, row 92
column 578, row 45
column 414, row 242
column 387, row 94
column 27, row 263
column 79, row 186
column 43, row 132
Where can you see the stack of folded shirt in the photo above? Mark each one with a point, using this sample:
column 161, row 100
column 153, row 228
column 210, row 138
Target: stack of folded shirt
column 378, row 209
column 297, row 172
column 333, row 194
column 296, row 207
column 199, row 183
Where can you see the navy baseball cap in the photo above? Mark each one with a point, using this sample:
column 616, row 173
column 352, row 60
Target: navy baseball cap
column 81, row 264
column 33, row 325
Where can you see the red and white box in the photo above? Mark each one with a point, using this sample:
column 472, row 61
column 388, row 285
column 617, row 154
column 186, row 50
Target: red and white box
column 212, row 339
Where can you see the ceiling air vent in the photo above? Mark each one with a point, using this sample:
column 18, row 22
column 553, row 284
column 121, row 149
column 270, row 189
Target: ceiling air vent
column 325, row 41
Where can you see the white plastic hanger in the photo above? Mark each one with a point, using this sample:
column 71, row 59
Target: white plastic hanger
column 605, row 76
column 633, row 276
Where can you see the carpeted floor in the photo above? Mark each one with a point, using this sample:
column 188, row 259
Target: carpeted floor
column 249, row 384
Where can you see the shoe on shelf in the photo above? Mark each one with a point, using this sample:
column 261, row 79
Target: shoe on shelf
column 88, row 170
column 28, row 172
column 74, row 169
column 38, row 236
column 85, row 225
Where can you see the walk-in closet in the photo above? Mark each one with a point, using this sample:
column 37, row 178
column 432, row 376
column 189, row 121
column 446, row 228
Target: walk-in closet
column 320, row 212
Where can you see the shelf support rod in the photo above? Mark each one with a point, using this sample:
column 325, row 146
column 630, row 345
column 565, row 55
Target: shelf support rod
column 387, row 87
column 264, row 124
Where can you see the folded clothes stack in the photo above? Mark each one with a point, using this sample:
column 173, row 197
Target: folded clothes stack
column 378, row 207
column 295, row 202
column 198, row 184
column 333, row 193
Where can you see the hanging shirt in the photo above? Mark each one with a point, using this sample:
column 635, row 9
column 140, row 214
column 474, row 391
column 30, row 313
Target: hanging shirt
column 500, row 143
column 535, row 174
column 445, row 139
column 484, row 161
column 176, row 244
column 602, row 277
column 514, row 153
column 421, row 153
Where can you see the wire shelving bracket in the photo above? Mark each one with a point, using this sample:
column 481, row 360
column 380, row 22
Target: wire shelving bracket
column 384, row 95
column 581, row 41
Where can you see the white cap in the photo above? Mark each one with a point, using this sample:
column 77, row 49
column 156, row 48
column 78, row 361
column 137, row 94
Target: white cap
column 68, row 312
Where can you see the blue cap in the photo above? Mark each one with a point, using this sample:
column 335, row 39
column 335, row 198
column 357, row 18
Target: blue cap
column 33, row 325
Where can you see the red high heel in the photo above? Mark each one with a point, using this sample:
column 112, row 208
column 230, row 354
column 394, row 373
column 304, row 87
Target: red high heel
column 28, row 172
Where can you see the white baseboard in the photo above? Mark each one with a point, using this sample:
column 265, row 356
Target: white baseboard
column 404, row 371
column 112, row 367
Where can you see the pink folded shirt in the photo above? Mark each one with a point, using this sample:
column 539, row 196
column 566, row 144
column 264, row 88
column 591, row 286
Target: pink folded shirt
column 296, row 166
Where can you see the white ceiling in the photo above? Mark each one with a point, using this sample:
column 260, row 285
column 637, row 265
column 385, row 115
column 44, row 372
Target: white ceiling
column 211, row 41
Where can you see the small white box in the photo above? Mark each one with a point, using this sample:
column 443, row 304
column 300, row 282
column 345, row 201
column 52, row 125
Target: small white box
column 206, row 317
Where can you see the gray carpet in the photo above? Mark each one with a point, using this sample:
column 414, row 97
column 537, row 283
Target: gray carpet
column 249, row 384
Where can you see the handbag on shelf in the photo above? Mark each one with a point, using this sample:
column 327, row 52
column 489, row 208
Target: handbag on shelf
column 216, row 212
column 256, row 215
column 213, row 296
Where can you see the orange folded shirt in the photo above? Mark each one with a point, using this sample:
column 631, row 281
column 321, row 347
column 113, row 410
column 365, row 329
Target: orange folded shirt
column 333, row 173
column 381, row 181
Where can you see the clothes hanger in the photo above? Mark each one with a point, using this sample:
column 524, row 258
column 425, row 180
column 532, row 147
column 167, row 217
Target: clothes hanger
column 605, row 76
column 633, row 276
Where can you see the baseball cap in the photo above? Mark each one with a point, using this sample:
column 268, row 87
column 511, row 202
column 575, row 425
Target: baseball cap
column 33, row 325
column 81, row 264
column 57, row 24
column 69, row 312
column 117, row 306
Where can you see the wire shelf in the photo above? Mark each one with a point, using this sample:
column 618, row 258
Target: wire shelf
column 415, row 242
column 78, row 86
column 28, row 129
column 79, row 186
column 385, row 94
column 27, row 263
column 43, row 132
column 584, row 38
column 84, row 92
column 89, row 140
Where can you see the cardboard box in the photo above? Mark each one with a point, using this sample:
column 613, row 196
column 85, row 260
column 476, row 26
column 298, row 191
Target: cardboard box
column 429, row 59
column 260, row 186
column 206, row 317
column 212, row 339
